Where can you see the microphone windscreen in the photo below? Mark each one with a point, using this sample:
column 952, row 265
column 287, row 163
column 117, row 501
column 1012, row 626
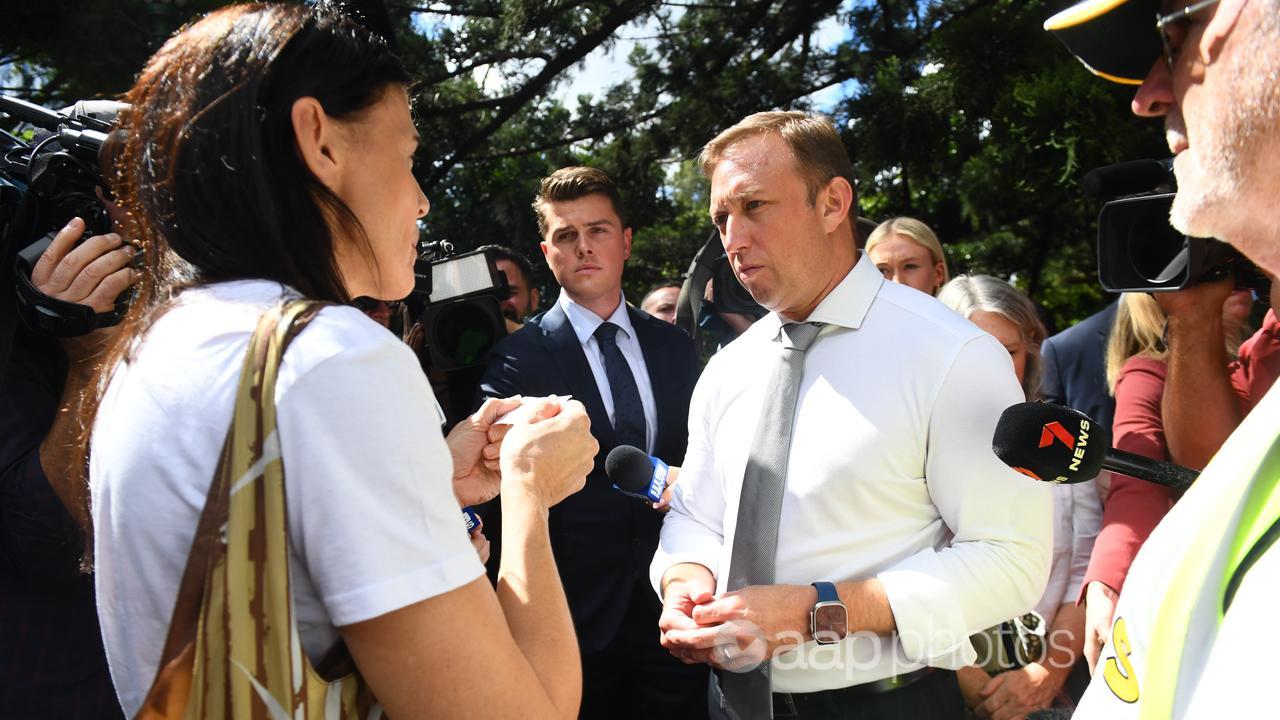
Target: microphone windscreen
column 629, row 468
column 1050, row 442
column 1126, row 178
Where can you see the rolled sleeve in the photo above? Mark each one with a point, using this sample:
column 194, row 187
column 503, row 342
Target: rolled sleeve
column 997, row 564
column 693, row 529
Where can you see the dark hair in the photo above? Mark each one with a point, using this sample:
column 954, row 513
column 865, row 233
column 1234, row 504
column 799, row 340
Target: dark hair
column 210, row 175
column 663, row 285
column 572, row 183
column 211, row 170
column 502, row 252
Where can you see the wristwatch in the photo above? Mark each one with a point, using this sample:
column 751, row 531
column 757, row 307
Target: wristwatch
column 829, row 620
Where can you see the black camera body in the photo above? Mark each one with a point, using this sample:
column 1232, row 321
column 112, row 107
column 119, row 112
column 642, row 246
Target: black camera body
column 47, row 182
column 1139, row 251
column 458, row 301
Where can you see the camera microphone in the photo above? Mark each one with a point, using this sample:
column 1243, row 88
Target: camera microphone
column 636, row 473
column 1127, row 178
column 1059, row 445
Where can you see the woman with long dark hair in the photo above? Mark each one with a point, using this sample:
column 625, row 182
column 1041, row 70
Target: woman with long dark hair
column 269, row 165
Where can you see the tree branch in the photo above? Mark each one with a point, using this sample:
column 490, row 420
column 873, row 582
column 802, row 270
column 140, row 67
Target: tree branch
column 509, row 105
column 561, row 142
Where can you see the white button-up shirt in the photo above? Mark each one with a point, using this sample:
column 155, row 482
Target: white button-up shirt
column 891, row 475
column 584, row 323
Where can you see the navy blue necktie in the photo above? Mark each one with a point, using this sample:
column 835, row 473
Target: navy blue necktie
column 628, row 412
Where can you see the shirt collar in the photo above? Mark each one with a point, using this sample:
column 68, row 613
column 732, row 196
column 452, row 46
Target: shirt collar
column 847, row 303
column 585, row 322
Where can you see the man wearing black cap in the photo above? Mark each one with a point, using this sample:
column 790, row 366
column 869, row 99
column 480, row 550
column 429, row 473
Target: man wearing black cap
column 1190, row 631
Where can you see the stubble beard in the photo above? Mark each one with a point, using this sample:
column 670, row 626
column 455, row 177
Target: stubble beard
column 1228, row 181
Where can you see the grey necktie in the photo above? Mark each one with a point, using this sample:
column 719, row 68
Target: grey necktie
column 755, row 542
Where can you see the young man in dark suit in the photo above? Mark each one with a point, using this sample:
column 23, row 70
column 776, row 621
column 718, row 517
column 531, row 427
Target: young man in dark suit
column 635, row 374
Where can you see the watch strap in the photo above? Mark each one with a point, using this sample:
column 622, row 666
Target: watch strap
column 827, row 592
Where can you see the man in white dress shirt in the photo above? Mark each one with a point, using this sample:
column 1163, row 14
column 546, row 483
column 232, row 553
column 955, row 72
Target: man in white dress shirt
column 872, row 516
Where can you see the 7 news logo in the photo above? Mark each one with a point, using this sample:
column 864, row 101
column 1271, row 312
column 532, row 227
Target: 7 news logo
column 1055, row 431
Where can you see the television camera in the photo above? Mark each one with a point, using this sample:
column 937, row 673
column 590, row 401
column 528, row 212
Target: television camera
column 1139, row 251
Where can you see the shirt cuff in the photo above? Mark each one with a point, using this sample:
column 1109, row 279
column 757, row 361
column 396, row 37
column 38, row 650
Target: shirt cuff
column 930, row 626
column 683, row 545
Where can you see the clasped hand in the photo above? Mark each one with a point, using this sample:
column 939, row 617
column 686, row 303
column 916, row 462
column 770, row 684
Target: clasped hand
column 735, row 631
column 548, row 455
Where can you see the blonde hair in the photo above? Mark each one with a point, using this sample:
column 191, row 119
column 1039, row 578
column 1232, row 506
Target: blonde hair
column 819, row 153
column 1138, row 330
column 913, row 230
column 967, row 294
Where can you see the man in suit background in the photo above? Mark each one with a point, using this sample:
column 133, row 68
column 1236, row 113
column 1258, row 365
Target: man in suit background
column 1075, row 367
column 635, row 374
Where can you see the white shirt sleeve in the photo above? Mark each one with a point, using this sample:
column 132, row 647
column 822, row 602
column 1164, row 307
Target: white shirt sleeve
column 369, row 482
column 693, row 529
column 997, row 564
column 1086, row 522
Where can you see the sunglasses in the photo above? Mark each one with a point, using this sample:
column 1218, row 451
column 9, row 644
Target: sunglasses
column 1164, row 21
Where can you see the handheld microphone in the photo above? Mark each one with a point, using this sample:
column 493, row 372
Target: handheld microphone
column 636, row 473
column 473, row 520
column 1059, row 445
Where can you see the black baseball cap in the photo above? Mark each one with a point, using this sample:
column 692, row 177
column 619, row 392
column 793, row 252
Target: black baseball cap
column 1115, row 39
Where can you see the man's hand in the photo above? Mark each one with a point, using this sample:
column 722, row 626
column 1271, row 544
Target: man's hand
column 1015, row 693
column 480, row 543
column 695, row 587
column 664, row 504
column 92, row 273
column 548, row 459
column 1099, row 606
column 972, row 680
column 739, row 629
column 1202, row 300
column 474, row 446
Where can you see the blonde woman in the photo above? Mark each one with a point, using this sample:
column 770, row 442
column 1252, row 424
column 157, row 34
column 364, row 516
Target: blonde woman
column 1024, row 685
column 908, row 253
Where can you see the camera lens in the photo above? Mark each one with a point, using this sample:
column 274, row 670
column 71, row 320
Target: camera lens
column 464, row 332
column 1157, row 252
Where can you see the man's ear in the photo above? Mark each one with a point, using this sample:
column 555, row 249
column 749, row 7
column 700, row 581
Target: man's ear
column 626, row 241
column 1219, row 28
column 837, row 202
column 543, row 246
column 535, row 299
column 314, row 131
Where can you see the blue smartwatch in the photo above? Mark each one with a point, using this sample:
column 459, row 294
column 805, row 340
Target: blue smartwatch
column 829, row 620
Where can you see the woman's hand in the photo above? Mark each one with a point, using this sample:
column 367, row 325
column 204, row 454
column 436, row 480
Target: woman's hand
column 548, row 458
column 474, row 445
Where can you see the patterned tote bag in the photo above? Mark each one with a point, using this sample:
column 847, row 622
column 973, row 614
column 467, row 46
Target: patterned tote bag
column 233, row 650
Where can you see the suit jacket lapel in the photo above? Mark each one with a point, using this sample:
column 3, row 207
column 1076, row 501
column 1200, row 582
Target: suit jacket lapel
column 571, row 361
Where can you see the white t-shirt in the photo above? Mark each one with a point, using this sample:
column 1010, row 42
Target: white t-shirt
column 373, row 522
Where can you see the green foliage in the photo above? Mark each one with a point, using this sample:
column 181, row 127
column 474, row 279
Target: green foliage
column 964, row 113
